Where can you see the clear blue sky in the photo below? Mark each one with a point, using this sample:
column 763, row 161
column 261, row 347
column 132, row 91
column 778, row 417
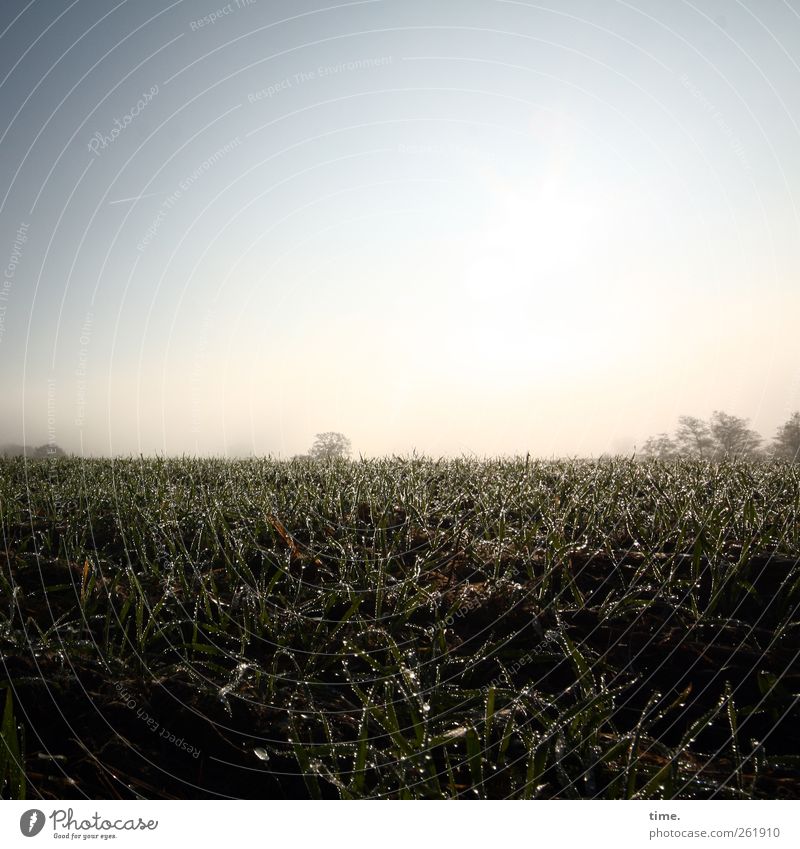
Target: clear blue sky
column 475, row 226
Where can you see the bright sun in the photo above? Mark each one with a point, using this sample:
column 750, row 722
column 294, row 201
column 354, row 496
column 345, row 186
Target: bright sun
column 529, row 277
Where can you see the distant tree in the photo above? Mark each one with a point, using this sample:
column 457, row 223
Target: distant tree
column 786, row 443
column 328, row 445
column 47, row 450
column 694, row 437
column 732, row 437
column 661, row 447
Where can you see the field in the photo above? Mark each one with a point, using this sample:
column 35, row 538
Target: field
column 403, row 628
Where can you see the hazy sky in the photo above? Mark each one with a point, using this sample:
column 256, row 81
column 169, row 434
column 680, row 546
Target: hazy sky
column 471, row 226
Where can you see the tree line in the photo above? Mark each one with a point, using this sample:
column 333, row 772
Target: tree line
column 722, row 436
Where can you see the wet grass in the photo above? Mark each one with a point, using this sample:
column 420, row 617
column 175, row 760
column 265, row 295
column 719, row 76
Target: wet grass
column 399, row 628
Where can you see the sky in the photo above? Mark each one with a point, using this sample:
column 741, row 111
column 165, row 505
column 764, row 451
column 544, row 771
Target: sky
column 477, row 227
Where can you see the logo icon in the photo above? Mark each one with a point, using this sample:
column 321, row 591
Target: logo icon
column 31, row 822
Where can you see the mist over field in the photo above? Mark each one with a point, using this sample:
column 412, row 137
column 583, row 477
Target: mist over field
column 463, row 228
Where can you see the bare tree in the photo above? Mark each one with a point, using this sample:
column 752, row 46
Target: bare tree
column 786, row 443
column 661, row 447
column 328, row 445
column 694, row 437
column 732, row 437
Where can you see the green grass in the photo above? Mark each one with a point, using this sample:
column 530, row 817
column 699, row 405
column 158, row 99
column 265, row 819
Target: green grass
column 401, row 628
